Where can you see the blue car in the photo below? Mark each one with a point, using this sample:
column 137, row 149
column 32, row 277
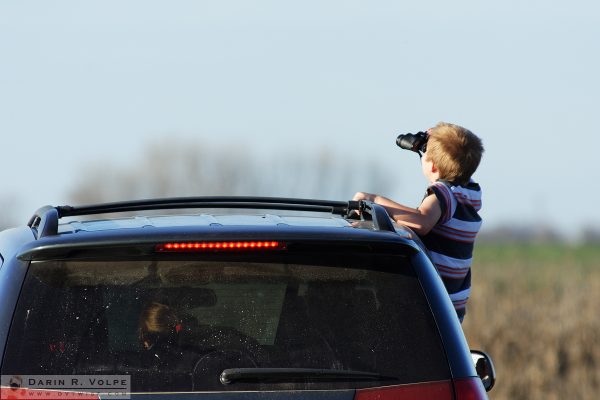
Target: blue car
column 228, row 298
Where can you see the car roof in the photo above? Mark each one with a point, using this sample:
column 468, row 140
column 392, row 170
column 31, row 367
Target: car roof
column 50, row 221
column 204, row 219
column 59, row 229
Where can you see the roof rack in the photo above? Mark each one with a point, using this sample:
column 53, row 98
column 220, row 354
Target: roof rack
column 45, row 220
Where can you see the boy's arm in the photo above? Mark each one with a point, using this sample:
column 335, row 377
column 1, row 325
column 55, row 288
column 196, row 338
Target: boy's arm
column 421, row 219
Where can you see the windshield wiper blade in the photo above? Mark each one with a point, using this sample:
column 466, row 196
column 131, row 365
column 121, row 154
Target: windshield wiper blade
column 233, row 375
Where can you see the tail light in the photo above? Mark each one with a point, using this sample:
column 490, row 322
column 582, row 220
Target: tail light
column 418, row 391
column 461, row 389
column 469, row 389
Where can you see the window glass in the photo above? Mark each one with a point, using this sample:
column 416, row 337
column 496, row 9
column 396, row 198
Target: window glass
column 175, row 325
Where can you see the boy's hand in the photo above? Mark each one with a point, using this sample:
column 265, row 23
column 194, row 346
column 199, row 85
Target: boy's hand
column 364, row 196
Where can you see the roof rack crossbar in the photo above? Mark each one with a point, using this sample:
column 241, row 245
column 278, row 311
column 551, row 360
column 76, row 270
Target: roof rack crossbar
column 335, row 207
column 45, row 220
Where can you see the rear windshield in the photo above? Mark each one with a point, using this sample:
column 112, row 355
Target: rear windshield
column 177, row 325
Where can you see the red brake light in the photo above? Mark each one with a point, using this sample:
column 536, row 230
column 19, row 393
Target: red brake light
column 219, row 246
column 418, row 391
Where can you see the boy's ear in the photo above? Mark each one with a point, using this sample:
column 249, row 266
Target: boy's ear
column 434, row 168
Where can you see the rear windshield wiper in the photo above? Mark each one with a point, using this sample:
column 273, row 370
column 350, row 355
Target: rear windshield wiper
column 233, row 375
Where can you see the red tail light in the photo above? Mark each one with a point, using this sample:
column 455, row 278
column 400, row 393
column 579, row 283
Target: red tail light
column 469, row 389
column 219, row 246
column 462, row 389
column 419, row 391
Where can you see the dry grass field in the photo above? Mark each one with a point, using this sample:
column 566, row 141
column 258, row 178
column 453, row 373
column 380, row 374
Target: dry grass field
column 536, row 309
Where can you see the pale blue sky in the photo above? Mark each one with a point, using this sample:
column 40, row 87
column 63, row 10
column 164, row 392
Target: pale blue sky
column 82, row 81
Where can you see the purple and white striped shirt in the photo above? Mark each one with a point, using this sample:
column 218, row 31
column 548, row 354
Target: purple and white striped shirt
column 450, row 242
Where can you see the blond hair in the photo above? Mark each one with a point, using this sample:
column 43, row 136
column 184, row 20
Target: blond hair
column 455, row 151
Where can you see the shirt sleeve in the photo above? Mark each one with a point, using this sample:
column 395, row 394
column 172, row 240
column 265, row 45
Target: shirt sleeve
column 444, row 197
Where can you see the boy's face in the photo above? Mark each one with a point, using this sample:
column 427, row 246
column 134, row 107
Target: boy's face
column 429, row 169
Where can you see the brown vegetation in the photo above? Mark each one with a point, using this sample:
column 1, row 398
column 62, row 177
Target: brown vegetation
column 535, row 309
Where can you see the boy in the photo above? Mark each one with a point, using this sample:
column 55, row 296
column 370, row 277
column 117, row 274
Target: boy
column 447, row 220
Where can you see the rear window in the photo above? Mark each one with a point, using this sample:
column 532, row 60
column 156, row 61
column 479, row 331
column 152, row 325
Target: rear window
column 176, row 325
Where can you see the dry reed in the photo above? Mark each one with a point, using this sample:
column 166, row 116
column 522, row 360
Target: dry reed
column 535, row 309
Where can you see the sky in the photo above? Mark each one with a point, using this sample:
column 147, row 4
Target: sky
column 84, row 82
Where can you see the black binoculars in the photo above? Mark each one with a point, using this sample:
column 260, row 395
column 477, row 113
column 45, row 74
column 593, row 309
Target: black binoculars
column 416, row 142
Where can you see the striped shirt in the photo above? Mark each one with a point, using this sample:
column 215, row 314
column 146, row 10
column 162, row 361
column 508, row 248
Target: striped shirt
column 450, row 242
